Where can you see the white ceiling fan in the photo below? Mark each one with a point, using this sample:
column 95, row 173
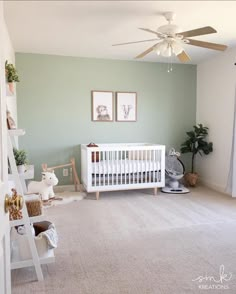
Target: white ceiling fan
column 171, row 40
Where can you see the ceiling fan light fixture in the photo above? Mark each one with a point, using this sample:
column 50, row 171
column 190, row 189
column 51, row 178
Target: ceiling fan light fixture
column 167, row 52
column 177, row 48
column 161, row 47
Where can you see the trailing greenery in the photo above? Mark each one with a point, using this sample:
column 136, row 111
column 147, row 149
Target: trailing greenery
column 11, row 73
column 195, row 143
column 20, row 156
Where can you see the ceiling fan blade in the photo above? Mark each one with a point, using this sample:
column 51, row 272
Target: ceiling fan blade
column 149, row 40
column 146, row 52
column 147, row 30
column 183, row 57
column 207, row 45
column 153, row 32
column 198, row 32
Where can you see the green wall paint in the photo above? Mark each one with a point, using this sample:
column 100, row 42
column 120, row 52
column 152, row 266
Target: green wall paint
column 54, row 104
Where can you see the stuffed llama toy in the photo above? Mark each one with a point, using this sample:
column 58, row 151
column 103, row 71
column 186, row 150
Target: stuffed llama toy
column 45, row 187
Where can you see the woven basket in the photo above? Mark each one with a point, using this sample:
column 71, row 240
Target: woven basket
column 34, row 206
column 191, row 179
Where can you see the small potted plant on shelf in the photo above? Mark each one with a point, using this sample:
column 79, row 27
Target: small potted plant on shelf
column 11, row 75
column 195, row 143
column 21, row 159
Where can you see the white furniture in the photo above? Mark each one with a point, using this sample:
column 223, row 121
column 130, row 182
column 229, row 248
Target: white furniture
column 35, row 259
column 110, row 167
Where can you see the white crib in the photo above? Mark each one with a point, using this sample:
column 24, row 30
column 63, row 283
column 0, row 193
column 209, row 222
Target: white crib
column 110, row 167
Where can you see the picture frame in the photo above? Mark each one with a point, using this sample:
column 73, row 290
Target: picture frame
column 126, row 106
column 102, row 106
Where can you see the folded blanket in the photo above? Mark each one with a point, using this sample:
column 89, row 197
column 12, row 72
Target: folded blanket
column 51, row 236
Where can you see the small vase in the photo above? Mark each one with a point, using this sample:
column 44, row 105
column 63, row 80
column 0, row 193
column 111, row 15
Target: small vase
column 21, row 168
column 11, row 87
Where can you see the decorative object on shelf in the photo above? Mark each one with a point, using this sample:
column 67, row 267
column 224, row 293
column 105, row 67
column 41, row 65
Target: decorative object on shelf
column 195, row 143
column 34, row 205
column 126, row 106
column 102, row 106
column 11, row 75
column 10, row 121
column 21, row 159
column 14, row 212
column 45, row 187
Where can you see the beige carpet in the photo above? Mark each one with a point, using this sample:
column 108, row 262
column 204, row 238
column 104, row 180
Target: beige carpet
column 136, row 243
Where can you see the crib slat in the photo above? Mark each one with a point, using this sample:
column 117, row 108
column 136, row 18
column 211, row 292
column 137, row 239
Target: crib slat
column 112, row 168
column 129, row 166
column 141, row 169
column 154, row 164
column 95, row 168
column 159, row 159
column 99, row 168
column 103, row 168
column 121, row 162
column 125, row 162
column 145, row 166
column 149, row 166
column 116, row 167
column 133, row 167
column 108, row 165
column 137, row 167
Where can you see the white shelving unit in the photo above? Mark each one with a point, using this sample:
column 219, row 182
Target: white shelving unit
column 19, row 181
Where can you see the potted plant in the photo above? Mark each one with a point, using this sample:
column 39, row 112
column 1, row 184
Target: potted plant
column 11, row 75
column 195, row 143
column 21, row 159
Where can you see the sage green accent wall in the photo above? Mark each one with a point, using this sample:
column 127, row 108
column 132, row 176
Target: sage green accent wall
column 54, row 104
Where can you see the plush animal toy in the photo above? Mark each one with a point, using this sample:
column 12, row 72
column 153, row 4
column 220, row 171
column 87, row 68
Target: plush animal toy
column 45, row 187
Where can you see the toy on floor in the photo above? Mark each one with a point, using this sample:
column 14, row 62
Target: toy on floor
column 74, row 173
column 45, row 187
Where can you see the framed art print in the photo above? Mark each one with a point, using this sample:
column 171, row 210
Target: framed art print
column 102, row 106
column 126, row 106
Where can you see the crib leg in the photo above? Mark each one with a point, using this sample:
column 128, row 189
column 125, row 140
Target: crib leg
column 97, row 195
column 155, row 191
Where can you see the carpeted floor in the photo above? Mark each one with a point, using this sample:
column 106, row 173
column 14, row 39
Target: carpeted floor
column 136, row 243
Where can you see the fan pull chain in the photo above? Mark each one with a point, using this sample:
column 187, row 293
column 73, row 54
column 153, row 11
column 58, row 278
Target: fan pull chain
column 170, row 63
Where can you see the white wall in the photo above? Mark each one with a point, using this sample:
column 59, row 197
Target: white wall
column 216, row 80
column 9, row 55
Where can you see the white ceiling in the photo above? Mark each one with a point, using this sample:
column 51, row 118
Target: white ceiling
column 89, row 28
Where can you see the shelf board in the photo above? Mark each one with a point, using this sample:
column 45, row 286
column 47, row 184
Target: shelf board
column 16, row 132
column 33, row 219
column 15, row 264
column 27, row 175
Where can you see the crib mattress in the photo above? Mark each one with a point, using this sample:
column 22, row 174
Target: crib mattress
column 124, row 166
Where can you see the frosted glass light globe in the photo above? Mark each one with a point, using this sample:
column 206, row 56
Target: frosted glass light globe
column 160, row 47
column 177, row 48
column 167, row 52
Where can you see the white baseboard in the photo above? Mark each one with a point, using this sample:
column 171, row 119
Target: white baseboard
column 214, row 187
column 66, row 188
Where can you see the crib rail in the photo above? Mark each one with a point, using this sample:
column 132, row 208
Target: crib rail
column 119, row 167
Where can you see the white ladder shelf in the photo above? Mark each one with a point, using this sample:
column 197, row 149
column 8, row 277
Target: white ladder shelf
column 36, row 261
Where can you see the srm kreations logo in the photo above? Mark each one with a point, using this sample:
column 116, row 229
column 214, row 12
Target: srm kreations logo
column 218, row 282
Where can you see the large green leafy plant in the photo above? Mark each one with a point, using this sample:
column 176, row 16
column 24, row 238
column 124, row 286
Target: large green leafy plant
column 11, row 73
column 195, row 143
column 20, row 156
